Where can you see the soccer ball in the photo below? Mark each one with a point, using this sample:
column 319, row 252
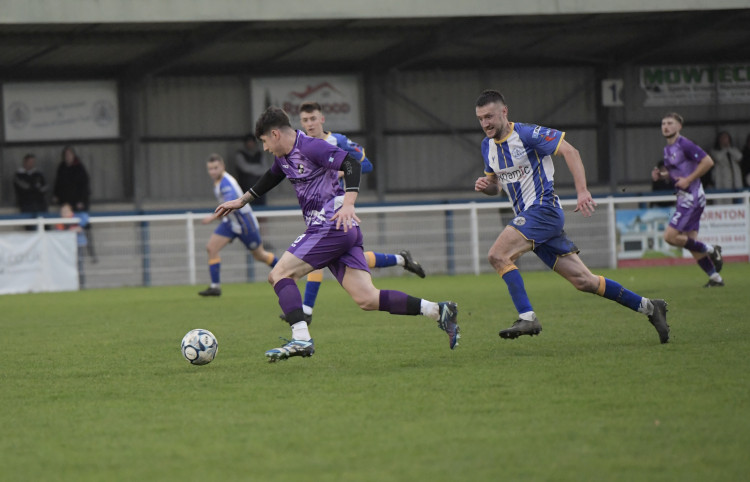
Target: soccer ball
column 199, row 346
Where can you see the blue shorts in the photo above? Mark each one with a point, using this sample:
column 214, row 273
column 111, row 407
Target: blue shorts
column 250, row 235
column 543, row 226
column 322, row 246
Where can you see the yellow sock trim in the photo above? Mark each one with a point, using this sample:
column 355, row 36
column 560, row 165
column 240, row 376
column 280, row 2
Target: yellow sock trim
column 507, row 269
column 315, row 276
column 269, row 258
column 370, row 257
column 214, row 261
column 602, row 285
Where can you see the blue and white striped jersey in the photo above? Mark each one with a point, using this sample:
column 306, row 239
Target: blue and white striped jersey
column 356, row 150
column 523, row 164
column 227, row 189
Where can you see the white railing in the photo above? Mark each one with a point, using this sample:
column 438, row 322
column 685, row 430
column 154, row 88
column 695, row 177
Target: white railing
column 163, row 249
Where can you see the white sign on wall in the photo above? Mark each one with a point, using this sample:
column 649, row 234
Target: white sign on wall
column 668, row 85
column 727, row 226
column 45, row 111
column 338, row 95
column 38, row 261
column 612, row 92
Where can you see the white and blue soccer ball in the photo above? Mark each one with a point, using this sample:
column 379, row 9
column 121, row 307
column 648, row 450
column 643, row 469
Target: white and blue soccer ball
column 199, row 346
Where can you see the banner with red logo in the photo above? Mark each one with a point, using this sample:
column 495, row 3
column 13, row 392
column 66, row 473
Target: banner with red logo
column 338, row 96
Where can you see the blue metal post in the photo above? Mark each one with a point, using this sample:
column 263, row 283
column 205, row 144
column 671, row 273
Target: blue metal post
column 450, row 243
column 146, row 250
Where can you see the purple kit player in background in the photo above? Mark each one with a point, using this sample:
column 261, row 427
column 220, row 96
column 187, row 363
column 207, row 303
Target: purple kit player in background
column 686, row 163
column 332, row 238
column 519, row 157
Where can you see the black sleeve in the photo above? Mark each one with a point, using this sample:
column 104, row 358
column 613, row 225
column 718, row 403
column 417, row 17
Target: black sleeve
column 352, row 173
column 266, row 183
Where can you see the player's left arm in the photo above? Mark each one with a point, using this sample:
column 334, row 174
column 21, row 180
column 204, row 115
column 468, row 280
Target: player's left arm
column 585, row 203
column 352, row 175
column 702, row 168
column 355, row 150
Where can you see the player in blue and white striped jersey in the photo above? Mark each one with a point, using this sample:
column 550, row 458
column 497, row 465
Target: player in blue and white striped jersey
column 518, row 157
column 239, row 224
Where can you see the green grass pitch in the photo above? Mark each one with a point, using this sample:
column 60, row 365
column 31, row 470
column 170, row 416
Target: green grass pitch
column 94, row 388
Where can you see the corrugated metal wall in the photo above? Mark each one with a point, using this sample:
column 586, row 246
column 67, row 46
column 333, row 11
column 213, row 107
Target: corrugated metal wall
column 430, row 142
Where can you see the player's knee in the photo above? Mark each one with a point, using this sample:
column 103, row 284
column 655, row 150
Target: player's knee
column 498, row 260
column 367, row 301
column 585, row 282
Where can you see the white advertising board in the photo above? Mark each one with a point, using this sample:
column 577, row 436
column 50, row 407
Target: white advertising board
column 35, row 262
column 48, row 111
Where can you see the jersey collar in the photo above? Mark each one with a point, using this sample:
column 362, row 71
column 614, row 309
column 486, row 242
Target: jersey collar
column 511, row 124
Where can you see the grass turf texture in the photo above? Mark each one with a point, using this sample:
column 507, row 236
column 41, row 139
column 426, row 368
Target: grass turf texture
column 94, row 386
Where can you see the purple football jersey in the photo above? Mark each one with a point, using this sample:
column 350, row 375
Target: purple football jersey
column 312, row 167
column 681, row 159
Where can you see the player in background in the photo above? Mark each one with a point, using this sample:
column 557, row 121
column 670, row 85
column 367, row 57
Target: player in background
column 332, row 239
column 312, row 120
column 518, row 158
column 241, row 224
column 685, row 163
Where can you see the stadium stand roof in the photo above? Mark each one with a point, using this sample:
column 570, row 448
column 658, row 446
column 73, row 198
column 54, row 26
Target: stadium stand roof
column 231, row 38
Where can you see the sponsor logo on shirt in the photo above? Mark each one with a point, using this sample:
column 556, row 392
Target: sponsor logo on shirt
column 330, row 159
column 535, row 134
column 301, row 169
column 513, row 174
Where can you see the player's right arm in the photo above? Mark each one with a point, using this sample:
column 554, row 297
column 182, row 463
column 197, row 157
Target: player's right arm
column 487, row 184
column 270, row 180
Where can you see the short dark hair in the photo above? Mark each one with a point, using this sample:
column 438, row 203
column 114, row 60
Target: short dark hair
column 249, row 137
column 215, row 158
column 675, row 116
column 271, row 118
column 489, row 97
column 29, row 156
column 310, row 106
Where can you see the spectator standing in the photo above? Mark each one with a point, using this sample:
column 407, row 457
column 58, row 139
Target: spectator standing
column 250, row 166
column 745, row 163
column 72, row 181
column 31, row 188
column 726, row 157
column 660, row 181
column 72, row 187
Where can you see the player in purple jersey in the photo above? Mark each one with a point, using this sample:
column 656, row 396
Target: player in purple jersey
column 241, row 224
column 518, row 158
column 312, row 119
column 685, row 163
column 332, row 238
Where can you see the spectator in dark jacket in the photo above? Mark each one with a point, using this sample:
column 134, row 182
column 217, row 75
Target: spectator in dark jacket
column 72, row 181
column 31, row 187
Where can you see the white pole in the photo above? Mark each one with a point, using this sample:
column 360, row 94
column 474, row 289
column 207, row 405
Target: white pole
column 474, row 227
column 612, row 232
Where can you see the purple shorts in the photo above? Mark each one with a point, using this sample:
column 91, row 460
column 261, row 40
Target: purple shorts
column 322, row 246
column 687, row 215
